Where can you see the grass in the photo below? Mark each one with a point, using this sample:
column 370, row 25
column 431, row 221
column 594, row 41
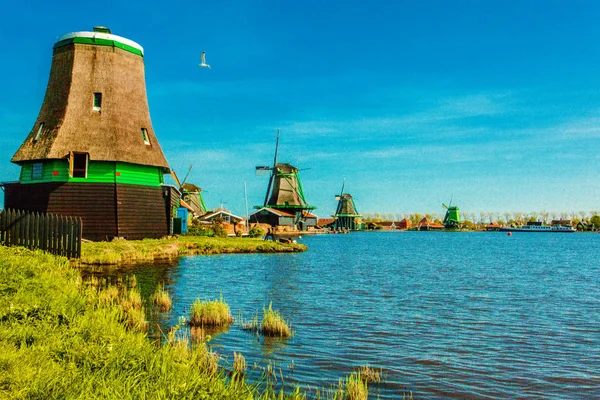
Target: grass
column 210, row 313
column 62, row 337
column 121, row 252
column 161, row 299
column 239, row 364
column 273, row 324
column 370, row 374
column 354, row 387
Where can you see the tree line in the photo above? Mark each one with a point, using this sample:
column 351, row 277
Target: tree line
column 486, row 217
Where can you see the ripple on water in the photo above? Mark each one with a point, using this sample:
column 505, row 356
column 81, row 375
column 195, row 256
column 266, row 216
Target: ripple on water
column 444, row 315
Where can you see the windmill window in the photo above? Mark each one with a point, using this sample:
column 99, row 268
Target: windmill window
column 39, row 132
column 78, row 165
column 145, row 137
column 97, row 101
column 36, row 171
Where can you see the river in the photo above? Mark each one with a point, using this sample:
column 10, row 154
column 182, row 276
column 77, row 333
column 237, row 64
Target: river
column 444, row 315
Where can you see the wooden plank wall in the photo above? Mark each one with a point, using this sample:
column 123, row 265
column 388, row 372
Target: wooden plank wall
column 141, row 212
column 60, row 235
column 107, row 210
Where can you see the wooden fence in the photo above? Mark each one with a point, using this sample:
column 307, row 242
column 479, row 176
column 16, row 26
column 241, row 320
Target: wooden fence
column 57, row 234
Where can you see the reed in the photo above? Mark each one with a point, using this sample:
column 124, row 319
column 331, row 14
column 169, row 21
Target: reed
column 210, row 313
column 239, row 364
column 369, row 374
column 131, row 299
column 109, row 295
column 135, row 319
column 161, row 299
column 273, row 324
column 354, row 387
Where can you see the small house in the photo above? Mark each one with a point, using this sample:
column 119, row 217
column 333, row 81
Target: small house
column 427, row 225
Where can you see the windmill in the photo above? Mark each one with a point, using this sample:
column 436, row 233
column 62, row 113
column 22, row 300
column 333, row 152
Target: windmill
column 190, row 193
column 452, row 217
column 284, row 190
column 346, row 214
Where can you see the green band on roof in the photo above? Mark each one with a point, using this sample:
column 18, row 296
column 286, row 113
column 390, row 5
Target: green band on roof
column 99, row 42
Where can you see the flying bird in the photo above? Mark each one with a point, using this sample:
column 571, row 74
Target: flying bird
column 203, row 63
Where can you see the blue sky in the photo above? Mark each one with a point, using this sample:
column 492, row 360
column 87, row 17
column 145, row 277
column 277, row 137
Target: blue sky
column 496, row 104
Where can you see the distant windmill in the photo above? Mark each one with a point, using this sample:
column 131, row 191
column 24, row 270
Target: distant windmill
column 284, row 190
column 346, row 214
column 190, row 193
column 452, row 217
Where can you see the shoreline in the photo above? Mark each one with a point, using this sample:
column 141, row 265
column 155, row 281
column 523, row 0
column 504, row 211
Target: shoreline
column 128, row 252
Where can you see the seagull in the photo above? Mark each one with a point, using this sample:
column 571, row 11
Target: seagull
column 203, row 63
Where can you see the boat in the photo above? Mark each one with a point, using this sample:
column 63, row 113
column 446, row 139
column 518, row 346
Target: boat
column 538, row 227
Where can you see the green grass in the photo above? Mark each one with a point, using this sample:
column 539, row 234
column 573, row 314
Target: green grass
column 161, row 299
column 210, row 313
column 65, row 338
column 120, row 252
column 354, row 387
column 273, row 324
column 59, row 339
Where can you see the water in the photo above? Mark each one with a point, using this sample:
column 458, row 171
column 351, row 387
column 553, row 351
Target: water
column 464, row 315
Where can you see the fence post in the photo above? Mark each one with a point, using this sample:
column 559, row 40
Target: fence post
column 57, row 234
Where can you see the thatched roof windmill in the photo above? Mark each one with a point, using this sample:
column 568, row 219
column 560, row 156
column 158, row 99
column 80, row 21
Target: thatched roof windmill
column 191, row 194
column 284, row 190
column 92, row 151
column 346, row 213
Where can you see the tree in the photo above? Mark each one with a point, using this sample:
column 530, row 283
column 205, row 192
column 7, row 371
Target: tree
column 595, row 221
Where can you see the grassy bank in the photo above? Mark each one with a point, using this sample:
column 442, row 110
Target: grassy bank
column 64, row 338
column 59, row 339
column 120, row 252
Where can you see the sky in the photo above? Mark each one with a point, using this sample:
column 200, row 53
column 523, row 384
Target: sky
column 493, row 104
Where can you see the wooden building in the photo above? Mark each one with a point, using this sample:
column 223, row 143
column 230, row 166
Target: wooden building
column 221, row 215
column 427, row 225
column 403, row 224
column 92, row 151
column 492, row 226
column 273, row 217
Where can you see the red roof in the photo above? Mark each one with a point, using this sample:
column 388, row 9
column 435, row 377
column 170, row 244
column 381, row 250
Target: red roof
column 325, row 221
column 426, row 222
column 309, row 215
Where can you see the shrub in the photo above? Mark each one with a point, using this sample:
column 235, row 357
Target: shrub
column 256, row 231
column 219, row 230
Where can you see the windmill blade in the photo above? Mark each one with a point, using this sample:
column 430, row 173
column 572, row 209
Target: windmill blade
column 276, row 151
column 186, row 176
column 174, row 175
column 262, row 170
column 445, row 206
column 273, row 170
column 343, row 185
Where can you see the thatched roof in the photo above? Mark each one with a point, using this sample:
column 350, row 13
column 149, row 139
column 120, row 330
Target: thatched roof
column 346, row 206
column 70, row 123
column 286, row 190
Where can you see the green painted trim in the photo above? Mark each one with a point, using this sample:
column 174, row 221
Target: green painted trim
column 99, row 42
column 98, row 172
column 289, row 206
